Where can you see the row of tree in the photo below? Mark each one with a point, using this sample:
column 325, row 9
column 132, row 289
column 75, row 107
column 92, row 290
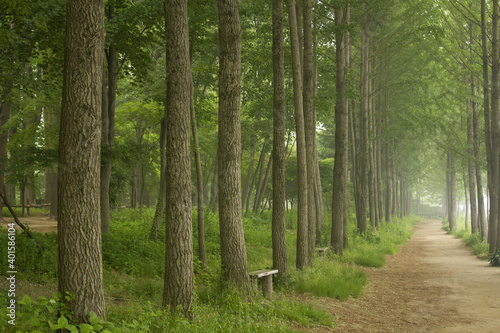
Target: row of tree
column 403, row 84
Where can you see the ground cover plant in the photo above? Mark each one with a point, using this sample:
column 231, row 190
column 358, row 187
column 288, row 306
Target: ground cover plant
column 478, row 246
column 134, row 268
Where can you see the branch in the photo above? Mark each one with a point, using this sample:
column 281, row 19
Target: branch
column 30, row 235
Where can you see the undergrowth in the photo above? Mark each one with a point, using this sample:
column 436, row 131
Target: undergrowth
column 476, row 244
column 133, row 270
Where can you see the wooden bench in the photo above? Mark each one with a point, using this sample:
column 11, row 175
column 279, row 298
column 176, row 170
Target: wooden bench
column 321, row 252
column 267, row 281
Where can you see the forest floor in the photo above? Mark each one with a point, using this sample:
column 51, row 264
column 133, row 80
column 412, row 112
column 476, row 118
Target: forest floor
column 433, row 284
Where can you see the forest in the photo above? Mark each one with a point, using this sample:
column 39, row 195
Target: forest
column 218, row 166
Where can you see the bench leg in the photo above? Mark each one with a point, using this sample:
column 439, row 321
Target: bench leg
column 255, row 285
column 267, row 286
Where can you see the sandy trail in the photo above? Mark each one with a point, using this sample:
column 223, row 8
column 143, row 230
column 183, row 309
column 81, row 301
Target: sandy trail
column 433, row 284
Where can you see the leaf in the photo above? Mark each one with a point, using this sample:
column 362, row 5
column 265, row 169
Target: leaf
column 86, row 328
column 62, row 321
column 72, row 328
column 26, row 300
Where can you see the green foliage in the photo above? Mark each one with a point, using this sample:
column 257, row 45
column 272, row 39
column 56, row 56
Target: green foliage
column 38, row 267
column 48, row 315
column 330, row 279
column 370, row 249
column 495, row 258
column 476, row 244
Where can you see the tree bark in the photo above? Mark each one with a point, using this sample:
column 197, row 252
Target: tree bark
column 495, row 135
column 363, row 147
column 179, row 272
column 339, row 197
column 233, row 249
column 79, row 230
column 309, row 124
column 451, row 193
column 108, row 124
column 471, row 171
column 250, row 169
column 160, row 204
column 202, row 253
column 302, row 257
column 280, row 254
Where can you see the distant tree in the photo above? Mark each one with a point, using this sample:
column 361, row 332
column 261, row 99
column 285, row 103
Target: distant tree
column 232, row 242
column 179, row 273
column 79, row 230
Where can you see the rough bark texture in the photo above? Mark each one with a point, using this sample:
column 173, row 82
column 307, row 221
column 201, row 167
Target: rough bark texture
column 280, row 254
column 339, row 197
column 179, row 274
column 302, row 258
column 79, row 230
column 233, row 249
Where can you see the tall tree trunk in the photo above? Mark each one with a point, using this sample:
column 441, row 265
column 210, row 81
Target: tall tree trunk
column 263, row 186
column 160, row 204
column 258, row 170
column 487, row 123
column 309, row 124
column 233, row 250
column 250, row 169
column 108, row 127
column 363, row 147
column 214, row 199
column 471, row 171
column 466, row 200
column 79, row 230
column 388, row 187
column 179, row 272
column 202, row 253
column 280, row 254
column 302, row 258
column 339, row 197
column 451, row 193
column 495, row 136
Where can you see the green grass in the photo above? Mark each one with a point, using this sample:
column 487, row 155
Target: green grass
column 134, row 271
column 371, row 248
column 330, row 279
column 477, row 246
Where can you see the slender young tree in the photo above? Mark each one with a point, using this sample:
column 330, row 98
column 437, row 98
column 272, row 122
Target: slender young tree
column 79, row 230
column 339, row 198
column 280, row 256
column 232, row 242
column 179, row 273
column 495, row 134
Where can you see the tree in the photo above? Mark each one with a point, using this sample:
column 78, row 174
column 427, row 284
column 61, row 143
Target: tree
column 232, row 241
column 339, row 198
column 302, row 258
column 280, row 256
column 79, row 231
column 179, row 272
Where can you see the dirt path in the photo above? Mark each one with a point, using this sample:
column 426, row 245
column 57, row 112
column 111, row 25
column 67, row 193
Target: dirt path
column 433, row 284
column 36, row 223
